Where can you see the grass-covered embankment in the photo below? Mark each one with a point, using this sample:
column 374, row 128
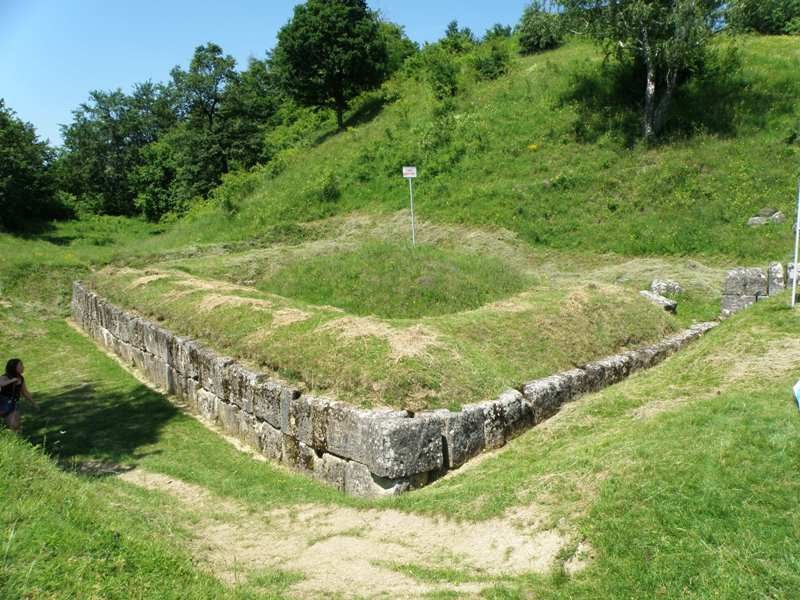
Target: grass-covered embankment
column 546, row 152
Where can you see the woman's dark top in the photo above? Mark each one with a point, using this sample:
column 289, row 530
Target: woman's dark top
column 13, row 390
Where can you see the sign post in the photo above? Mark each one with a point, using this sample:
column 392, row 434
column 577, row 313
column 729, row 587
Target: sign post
column 796, row 248
column 410, row 173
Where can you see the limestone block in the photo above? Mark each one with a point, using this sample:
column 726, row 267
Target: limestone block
column 306, row 418
column 733, row 303
column 249, row 430
column 268, row 397
column 463, row 434
column 359, row 481
column 347, row 428
column 206, row 404
column 270, row 441
column 665, row 287
column 242, row 383
column 545, row 396
column 297, row 455
column 776, row 280
column 665, row 303
column 330, row 469
column 746, row 282
column 137, row 332
column 397, row 447
column 228, row 417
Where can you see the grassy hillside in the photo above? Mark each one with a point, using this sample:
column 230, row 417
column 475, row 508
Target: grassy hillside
column 540, row 220
column 547, row 152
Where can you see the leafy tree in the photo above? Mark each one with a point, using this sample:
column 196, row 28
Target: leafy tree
column 330, row 52
column 668, row 38
column 102, row 146
column 540, row 28
column 764, row 16
column 492, row 59
column 497, row 31
column 441, row 70
column 398, row 46
column 458, row 39
column 26, row 183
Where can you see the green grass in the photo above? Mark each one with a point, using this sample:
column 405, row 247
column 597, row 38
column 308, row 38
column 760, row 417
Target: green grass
column 683, row 479
column 695, row 500
column 539, row 153
column 392, row 280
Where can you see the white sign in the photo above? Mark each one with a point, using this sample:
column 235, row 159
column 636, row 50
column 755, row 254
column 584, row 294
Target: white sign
column 409, row 172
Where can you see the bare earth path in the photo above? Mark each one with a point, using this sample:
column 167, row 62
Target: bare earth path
column 351, row 552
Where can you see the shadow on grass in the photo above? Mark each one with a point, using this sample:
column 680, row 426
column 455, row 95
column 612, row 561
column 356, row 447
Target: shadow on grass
column 107, row 427
column 716, row 97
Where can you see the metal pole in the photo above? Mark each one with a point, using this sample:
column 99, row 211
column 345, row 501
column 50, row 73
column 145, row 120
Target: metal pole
column 413, row 221
column 796, row 247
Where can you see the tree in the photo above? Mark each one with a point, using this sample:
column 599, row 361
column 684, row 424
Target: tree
column 103, row 144
column 540, row 28
column 458, row 39
column 331, row 51
column 772, row 17
column 398, row 46
column 668, row 38
column 26, row 184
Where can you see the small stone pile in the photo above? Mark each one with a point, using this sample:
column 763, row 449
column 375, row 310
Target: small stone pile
column 746, row 286
column 766, row 216
column 660, row 292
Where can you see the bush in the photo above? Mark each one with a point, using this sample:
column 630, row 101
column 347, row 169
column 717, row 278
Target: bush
column 539, row 29
column 441, row 71
column 491, row 60
column 774, row 17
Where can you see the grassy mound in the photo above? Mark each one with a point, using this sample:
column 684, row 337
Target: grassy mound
column 390, row 280
column 546, row 152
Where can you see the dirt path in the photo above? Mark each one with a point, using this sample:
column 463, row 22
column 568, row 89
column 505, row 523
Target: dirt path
column 350, row 553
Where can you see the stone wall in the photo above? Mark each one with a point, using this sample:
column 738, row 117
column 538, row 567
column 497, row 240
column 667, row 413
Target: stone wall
column 746, row 286
column 360, row 452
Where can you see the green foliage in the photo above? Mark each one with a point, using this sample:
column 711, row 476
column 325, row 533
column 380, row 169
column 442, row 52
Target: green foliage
column 457, row 40
column 331, row 51
column 26, row 180
column 498, row 31
column 441, row 70
column 669, row 40
column 491, row 60
column 540, row 28
column 104, row 143
column 775, row 17
column 399, row 47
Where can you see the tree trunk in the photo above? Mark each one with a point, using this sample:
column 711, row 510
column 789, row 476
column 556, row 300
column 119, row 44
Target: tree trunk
column 649, row 121
column 662, row 110
column 340, row 117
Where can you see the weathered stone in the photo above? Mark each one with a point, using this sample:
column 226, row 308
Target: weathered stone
column 228, row 417
column 767, row 212
column 732, row 303
column 268, row 397
column 746, row 282
column 270, row 441
column 331, row 470
column 359, row 481
column 757, row 221
column 402, row 447
column 249, row 430
column 347, row 429
column 546, row 396
column 207, row 404
column 665, row 287
column 463, row 434
column 297, row 455
column 658, row 300
column 776, row 281
column 306, row 418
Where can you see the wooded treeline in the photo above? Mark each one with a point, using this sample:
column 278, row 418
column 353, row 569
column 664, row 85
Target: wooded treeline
column 163, row 146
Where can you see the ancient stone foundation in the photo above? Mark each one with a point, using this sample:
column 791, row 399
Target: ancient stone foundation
column 361, row 452
column 744, row 287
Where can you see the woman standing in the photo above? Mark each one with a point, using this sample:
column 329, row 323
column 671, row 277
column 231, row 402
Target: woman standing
column 12, row 387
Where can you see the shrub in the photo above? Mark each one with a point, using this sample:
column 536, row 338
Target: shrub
column 539, row 29
column 491, row 60
column 441, row 72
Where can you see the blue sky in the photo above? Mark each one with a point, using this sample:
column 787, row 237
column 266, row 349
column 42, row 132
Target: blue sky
column 52, row 53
